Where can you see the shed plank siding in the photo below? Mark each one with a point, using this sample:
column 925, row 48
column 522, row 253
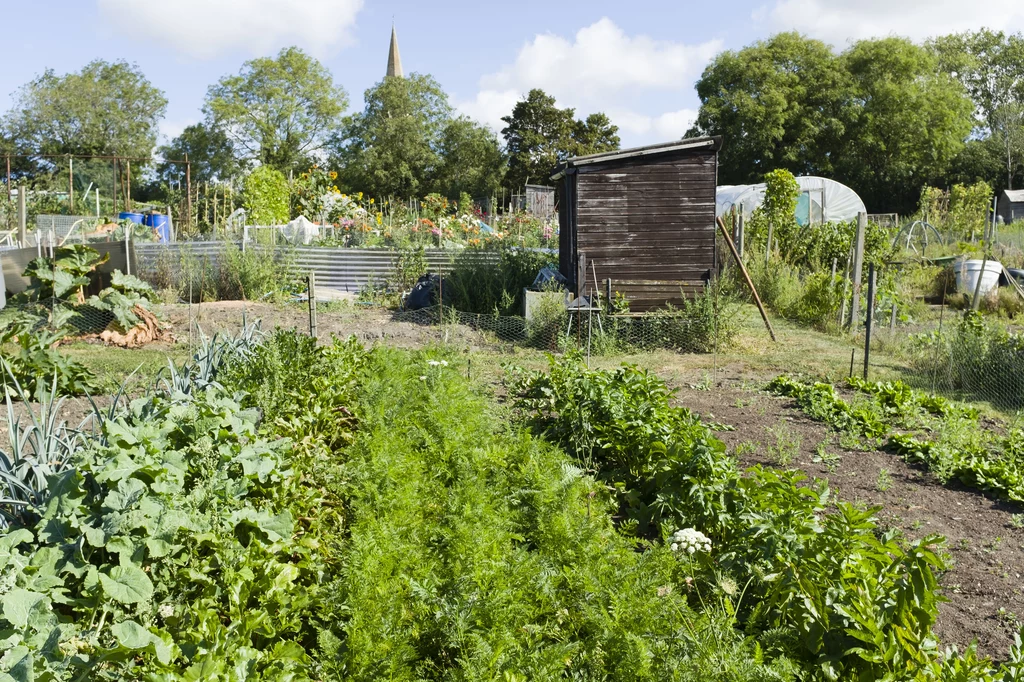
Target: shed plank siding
column 647, row 222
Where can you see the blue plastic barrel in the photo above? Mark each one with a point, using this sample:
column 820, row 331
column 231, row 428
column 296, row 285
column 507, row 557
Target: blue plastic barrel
column 134, row 217
column 158, row 221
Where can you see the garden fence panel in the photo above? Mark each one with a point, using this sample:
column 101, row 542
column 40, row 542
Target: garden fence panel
column 344, row 269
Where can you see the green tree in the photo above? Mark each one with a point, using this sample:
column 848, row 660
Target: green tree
column 990, row 65
column 1007, row 132
column 104, row 109
column 908, row 122
column 391, row 148
column 278, row 110
column 471, row 160
column 594, row 135
column 265, row 196
column 779, row 103
column 539, row 136
column 208, row 150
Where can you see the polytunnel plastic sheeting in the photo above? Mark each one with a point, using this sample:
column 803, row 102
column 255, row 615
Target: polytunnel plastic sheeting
column 821, row 200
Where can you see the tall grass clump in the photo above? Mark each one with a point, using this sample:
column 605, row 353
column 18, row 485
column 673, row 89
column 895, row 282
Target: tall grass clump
column 478, row 284
column 254, row 274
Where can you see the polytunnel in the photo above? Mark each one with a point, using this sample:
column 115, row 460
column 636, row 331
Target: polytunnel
column 820, row 200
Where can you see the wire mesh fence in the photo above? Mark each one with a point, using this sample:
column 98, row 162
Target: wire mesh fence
column 970, row 359
column 558, row 330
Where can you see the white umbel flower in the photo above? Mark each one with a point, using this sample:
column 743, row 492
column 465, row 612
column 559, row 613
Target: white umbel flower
column 690, row 541
column 437, row 363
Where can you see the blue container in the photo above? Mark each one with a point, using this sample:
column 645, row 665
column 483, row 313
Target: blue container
column 136, row 218
column 158, row 221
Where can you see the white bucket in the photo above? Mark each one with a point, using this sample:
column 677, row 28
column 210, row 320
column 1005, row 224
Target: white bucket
column 967, row 272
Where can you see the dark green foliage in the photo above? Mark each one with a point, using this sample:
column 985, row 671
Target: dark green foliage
column 475, row 553
column 477, row 285
column 37, row 366
column 862, row 601
column 539, row 135
column 882, row 116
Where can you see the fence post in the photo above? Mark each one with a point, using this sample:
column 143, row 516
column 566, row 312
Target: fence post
column 22, row 215
column 127, row 251
column 870, row 318
column 858, row 267
column 977, row 287
column 739, row 233
column 245, row 236
column 311, row 295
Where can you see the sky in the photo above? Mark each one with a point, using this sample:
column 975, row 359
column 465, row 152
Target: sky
column 636, row 61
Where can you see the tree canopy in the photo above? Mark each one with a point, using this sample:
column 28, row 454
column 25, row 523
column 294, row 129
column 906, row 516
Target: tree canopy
column 471, row 160
column 208, row 151
column 539, row 136
column 990, row 65
column 278, row 110
column 882, row 116
column 391, row 147
column 107, row 108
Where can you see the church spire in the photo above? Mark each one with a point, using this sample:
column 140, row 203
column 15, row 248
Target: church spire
column 394, row 59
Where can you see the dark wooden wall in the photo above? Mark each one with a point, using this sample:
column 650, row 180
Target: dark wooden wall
column 648, row 223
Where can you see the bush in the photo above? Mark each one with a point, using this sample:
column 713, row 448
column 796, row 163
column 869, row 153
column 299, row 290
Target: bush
column 254, row 274
column 820, row 302
column 477, row 284
column 37, row 366
column 265, row 197
column 979, row 359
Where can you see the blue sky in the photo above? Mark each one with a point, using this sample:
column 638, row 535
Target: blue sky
column 637, row 61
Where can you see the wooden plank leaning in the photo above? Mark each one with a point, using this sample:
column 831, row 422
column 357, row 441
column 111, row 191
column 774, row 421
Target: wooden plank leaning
column 746, row 276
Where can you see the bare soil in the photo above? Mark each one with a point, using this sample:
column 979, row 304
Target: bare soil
column 73, row 412
column 983, row 584
column 369, row 325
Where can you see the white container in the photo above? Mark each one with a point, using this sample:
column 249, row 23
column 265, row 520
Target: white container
column 967, row 272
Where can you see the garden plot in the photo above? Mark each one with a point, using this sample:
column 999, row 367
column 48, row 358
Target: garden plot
column 984, row 534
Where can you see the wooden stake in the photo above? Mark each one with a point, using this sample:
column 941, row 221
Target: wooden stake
column 746, row 276
column 858, row 267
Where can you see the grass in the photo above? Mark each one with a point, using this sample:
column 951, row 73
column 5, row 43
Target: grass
column 113, row 366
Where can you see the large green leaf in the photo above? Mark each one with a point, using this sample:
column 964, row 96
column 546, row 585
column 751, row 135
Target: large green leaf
column 18, row 605
column 127, row 584
column 131, row 635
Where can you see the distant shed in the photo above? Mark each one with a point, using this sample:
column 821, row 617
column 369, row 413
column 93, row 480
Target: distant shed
column 1010, row 206
column 643, row 217
column 537, row 200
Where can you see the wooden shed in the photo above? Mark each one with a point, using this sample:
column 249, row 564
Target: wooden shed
column 1010, row 206
column 643, row 218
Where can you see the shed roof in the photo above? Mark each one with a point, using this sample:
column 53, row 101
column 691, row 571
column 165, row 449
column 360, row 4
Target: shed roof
column 712, row 143
column 1014, row 195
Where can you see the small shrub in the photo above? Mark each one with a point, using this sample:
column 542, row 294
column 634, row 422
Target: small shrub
column 265, row 196
column 476, row 284
column 820, row 301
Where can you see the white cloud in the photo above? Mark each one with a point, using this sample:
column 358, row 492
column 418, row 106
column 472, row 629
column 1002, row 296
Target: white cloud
column 203, row 29
column 170, row 129
column 598, row 70
column 667, row 126
column 841, row 21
